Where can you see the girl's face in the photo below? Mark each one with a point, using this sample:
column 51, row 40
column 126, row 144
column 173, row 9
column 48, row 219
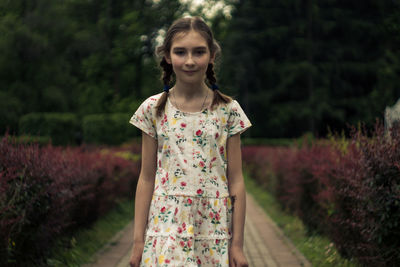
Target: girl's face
column 189, row 56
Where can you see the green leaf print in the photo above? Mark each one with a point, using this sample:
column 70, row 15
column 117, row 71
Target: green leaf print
column 214, row 182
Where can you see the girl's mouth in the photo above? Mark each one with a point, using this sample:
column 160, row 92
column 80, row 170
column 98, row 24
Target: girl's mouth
column 189, row 71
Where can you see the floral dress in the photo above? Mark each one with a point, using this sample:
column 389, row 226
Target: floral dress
column 189, row 222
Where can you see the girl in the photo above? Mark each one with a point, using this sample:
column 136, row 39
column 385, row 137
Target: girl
column 190, row 198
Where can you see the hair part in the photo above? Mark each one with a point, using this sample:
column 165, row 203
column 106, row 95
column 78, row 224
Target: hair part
column 184, row 25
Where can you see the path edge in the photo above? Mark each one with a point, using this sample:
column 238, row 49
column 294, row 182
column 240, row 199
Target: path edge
column 102, row 252
column 278, row 231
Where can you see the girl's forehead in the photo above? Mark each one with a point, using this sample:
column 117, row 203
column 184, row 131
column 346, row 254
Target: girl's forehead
column 191, row 38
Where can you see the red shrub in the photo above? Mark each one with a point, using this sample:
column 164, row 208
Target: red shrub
column 47, row 192
column 368, row 199
column 298, row 178
column 351, row 196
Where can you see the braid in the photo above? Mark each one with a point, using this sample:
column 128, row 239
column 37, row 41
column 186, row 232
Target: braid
column 210, row 74
column 166, row 78
column 167, row 71
column 218, row 96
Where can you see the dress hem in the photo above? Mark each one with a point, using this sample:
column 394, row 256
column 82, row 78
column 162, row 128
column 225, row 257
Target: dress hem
column 188, row 237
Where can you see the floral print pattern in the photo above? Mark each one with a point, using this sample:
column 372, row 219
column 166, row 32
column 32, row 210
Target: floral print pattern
column 190, row 216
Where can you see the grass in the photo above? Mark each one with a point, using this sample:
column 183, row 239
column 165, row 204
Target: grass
column 319, row 250
column 80, row 249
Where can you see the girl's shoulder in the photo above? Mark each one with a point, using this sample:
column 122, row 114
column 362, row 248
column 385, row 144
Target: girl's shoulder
column 152, row 100
column 150, row 103
column 233, row 104
column 149, row 106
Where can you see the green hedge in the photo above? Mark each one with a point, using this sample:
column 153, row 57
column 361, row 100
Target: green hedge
column 10, row 110
column 112, row 129
column 268, row 141
column 306, row 138
column 30, row 139
column 62, row 128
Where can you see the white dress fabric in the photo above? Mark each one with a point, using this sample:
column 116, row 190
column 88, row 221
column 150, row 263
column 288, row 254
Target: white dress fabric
column 189, row 222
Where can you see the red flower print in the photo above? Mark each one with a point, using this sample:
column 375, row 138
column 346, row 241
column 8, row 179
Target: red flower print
column 163, row 180
column 242, row 124
column 180, row 230
column 185, row 160
column 189, row 243
column 154, row 243
column 221, row 150
column 217, row 193
column 183, row 183
column 199, row 191
column 167, row 261
column 213, row 159
column 217, row 216
column 199, row 212
column 198, row 261
column 184, row 226
column 189, row 201
column 216, row 135
column 163, row 209
column 176, row 211
column 211, row 214
column 201, row 163
column 217, row 241
column 164, row 120
column 183, row 125
column 182, row 243
column 199, row 132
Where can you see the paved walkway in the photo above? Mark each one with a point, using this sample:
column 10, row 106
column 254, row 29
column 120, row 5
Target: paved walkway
column 265, row 244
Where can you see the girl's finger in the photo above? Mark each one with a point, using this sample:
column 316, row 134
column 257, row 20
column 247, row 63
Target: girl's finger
column 231, row 262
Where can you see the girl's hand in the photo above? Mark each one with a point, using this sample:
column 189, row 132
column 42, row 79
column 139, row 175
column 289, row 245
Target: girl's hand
column 237, row 257
column 136, row 254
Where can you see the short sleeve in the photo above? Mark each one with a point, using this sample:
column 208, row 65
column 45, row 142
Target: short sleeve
column 144, row 118
column 238, row 121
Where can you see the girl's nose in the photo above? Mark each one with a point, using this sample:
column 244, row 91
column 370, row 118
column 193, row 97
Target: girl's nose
column 189, row 60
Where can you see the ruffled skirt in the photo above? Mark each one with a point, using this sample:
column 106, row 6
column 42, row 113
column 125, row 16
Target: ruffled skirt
column 188, row 231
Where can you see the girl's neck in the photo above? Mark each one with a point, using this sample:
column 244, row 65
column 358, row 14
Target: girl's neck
column 189, row 91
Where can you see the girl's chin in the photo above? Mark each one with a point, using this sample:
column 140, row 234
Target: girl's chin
column 190, row 80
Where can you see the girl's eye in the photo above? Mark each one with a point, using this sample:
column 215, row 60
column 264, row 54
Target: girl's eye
column 200, row 52
column 179, row 53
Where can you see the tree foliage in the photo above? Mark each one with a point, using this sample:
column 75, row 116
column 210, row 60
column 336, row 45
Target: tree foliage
column 296, row 66
column 78, row 56
column 302, row 65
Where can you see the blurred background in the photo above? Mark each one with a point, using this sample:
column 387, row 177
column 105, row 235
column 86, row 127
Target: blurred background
column 72, row 73
column 296, row 66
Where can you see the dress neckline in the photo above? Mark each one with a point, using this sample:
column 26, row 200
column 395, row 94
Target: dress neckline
column 185, row 112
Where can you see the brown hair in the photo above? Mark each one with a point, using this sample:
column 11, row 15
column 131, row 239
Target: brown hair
column 185, row 25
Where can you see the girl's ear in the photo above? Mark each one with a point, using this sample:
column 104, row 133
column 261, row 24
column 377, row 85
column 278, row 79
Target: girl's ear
column 168, row 58
column 212, row 59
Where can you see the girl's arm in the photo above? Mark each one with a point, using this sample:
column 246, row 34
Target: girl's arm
column 236, row 188
column 145, row 186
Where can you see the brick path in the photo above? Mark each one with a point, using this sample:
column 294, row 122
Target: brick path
column 265, row 244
